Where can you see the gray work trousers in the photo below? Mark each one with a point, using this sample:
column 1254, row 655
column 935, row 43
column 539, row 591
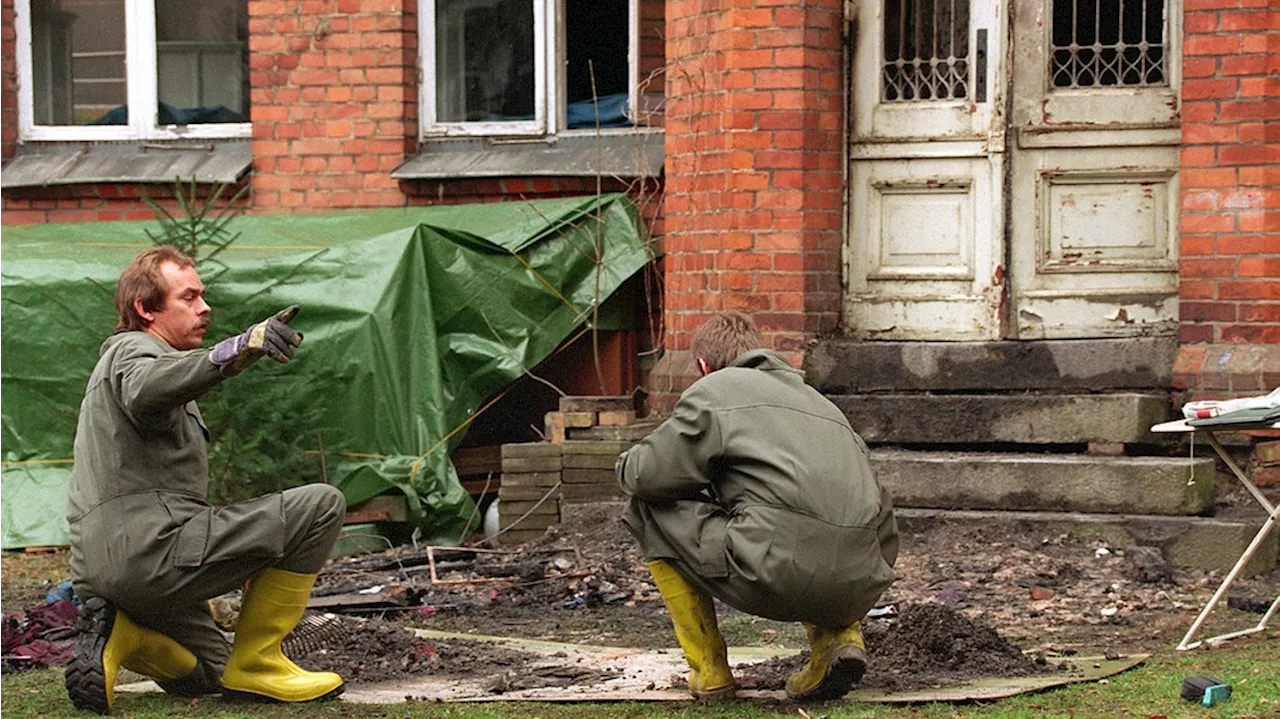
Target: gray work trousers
column 312, row 517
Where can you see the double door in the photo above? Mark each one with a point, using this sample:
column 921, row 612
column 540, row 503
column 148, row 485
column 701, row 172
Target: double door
column 1013, row 169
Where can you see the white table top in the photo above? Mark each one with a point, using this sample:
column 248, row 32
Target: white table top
column 1181, row 425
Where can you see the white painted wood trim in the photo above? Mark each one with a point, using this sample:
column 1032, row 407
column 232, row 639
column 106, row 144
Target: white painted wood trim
column 141, row 93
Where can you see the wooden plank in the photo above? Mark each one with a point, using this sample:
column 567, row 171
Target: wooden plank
column 517, row 465
column 579, row 419
column 590, row 461
column 630, row 433
column 593, row 447
column 553, row 427
column 395, row 595
column 471, row 461
column 617, row 418
column 605, row 403
column 524, row 450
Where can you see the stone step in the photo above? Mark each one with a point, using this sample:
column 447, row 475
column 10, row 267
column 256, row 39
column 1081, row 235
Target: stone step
column 1046, row 482
column 1202, row 543
column 1123, row 417
column 837, row 365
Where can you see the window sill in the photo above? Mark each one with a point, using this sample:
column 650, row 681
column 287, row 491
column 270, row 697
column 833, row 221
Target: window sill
column 39, row 164
column 629, row 154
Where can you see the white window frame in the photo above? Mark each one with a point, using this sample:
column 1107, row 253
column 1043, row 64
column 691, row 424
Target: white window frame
column 141, row 88
column 549, row 92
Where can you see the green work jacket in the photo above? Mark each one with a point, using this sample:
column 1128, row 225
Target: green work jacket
column 137, row 500
column 759, row 487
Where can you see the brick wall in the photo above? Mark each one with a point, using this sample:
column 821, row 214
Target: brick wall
column 754, row 194
column 333, row 101
column 1230, row 263
column 8, row 81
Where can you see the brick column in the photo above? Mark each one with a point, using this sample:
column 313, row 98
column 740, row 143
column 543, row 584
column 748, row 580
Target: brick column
column 334, row 104
column 8, row 81
column 754, row 189
column 1230, row 264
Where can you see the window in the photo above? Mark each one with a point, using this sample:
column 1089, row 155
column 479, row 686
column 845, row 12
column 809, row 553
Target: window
column 1108, row 43
column 133, row 69
column 926, row 50
column 536, row 67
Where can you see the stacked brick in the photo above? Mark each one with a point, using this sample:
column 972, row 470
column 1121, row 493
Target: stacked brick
column 575, row 464
column 1266, row 468
column 530, row 496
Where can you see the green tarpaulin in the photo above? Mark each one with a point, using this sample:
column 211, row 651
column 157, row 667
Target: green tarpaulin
column 413, row 318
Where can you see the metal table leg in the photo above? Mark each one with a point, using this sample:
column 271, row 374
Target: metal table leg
column 1258, row 539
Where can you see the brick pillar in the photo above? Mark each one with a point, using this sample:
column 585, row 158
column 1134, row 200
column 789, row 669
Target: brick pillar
column 334, row 108
column 754, row 193
column 1230, row 264
column 8, row 81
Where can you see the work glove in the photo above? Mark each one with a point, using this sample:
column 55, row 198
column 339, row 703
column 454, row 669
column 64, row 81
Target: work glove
column 272, row 337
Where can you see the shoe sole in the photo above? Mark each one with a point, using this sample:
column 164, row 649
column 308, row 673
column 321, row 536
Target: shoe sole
column 242, row 697
column 846, row 670
column 86, row 678
column 709, row 699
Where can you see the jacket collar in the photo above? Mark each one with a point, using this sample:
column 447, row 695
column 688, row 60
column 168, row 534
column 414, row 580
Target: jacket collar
column 763, row 359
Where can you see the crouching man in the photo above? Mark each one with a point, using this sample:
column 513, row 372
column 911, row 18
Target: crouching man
column 147, row 549
column 758, row 492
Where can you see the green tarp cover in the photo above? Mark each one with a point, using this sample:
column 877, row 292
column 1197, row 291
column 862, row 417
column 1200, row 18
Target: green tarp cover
column 413, row 318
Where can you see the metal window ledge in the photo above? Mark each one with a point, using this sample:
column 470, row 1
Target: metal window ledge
column 635, row 154
column 75, row 163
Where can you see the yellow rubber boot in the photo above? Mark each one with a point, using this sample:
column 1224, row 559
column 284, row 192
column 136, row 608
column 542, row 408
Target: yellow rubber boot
column 108, row 639
column 837, row 661
column 258, row 670
column 694, row 616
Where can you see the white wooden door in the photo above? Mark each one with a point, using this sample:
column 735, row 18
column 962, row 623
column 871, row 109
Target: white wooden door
column 925, row 230
column 1012, row 169
column 1094, row 135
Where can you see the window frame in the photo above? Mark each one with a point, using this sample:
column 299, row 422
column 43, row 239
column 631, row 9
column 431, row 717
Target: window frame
column 141, row 88
column 549, row 87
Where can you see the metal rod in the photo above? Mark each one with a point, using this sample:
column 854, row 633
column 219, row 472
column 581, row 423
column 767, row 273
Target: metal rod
column 1226, row 583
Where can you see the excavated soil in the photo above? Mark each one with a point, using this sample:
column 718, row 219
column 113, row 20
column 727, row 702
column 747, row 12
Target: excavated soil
column 925, row 646
column 968, row 602
column 371, row 651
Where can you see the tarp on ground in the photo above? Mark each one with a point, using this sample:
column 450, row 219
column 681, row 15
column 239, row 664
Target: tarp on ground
column 413, row 318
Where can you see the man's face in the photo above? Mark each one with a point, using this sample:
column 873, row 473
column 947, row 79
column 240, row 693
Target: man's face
column 184, row 316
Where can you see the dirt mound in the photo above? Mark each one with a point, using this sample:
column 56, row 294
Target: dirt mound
column 371, row 651
column 927, row 645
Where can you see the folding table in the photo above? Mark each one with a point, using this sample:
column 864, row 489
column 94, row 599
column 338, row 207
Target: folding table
column 1273, row 516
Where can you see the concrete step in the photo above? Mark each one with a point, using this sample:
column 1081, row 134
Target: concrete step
column 1046, row 482
column 1186, row 542
column 1118, row 418
column 838, row 365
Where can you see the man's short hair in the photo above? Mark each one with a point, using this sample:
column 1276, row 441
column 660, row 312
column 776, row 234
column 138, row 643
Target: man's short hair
column 142, row 280
column 723, row 337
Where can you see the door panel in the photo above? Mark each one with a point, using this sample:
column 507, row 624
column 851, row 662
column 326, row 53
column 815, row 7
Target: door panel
column 1093, row 172
column 925, row 252
column 926, row 267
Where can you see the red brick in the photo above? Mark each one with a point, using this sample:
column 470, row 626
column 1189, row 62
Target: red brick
column 1260, row 267
column 1211, row 45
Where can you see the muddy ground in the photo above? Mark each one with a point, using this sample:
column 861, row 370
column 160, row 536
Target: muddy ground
column 969, row 602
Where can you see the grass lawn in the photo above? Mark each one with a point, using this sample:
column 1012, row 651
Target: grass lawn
column 1250, row 664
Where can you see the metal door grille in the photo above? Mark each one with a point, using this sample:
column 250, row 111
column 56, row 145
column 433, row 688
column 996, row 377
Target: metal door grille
column 1107, row 43
column 926, row 50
